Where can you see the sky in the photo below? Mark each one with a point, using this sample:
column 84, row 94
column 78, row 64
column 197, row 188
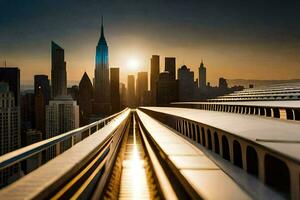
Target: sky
column 255, row 39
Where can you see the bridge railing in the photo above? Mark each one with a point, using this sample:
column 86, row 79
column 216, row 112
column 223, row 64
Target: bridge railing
column 286, row 110
column 74, row 136
column 72, row 169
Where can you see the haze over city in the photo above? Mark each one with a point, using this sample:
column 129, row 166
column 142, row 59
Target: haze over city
column 248, row 40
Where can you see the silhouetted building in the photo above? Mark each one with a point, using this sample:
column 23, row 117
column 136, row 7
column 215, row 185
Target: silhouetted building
column 102, row 87
column 186, row 84
column 167, row 89
column 223, row 84
column 11, row 75
column 58, row 71
column 123, row 96
column 41, row 99
column 62, row 115
column 202, row 77
column 85, row 99
column 73, row 92
column 131, row 98
column 154, row 77
column 141, row 87
column 9, row 131
column 115, row 89
column 41, row 82
column 40, row 111
column 27, row 114
column 170, row 66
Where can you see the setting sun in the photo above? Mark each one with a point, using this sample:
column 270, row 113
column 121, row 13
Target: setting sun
column 133, row 64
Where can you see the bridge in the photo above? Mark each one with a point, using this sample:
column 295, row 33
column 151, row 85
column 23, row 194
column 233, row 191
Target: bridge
column 190, row 150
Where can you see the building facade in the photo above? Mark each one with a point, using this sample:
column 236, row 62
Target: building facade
column 102, row 84
column 202, row 77
column 154, row 61
column 131, row 98
column 186, row 84
column 141, row 87
column 9, row 132
column 115, row 89
column 58, row 71
column 167, row 89
column 170, row 66
column 62, row 115
column 85, row 99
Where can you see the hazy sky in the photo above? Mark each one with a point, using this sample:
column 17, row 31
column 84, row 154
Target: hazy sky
column 236, row 39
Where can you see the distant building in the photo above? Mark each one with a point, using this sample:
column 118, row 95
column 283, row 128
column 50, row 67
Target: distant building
column 223, row 84
column 186, row 84
column 170, row 66
column 131, row 97
column 58, row 71
column 123, row 96
column 141, row 87
column 11, row 75
column 154, row 77
column 73, row 92
column 167, row 89
column 42, row 95
column 27, row 114
column 202, row 78
column 41, row 82
column 102, row 88
column 62, row 115
column 85, row 99
column 115, row 89
column 9, row 131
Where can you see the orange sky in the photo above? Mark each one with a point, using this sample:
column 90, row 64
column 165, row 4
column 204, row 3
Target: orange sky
column 231, row 62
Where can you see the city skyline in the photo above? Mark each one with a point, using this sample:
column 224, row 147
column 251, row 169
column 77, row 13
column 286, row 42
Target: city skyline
column 240, row 44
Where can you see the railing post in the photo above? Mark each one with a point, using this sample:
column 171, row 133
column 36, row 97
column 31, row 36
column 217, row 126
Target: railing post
column 72, row 140
column 57, row 146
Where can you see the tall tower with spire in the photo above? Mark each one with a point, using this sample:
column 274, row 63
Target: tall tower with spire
column 202, row 77
column 102, row 86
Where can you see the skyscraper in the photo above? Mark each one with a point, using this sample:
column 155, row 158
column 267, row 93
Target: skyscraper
column 9, row 131
column 85, row 99
column 62, row 115
column 41, row 82
column 11, row 75
column 41, row 99
column 167, row 89
column 186, row 84
column 170, row 66
column 202, row 77
column 154, row 77
column 58, row 71
column 123, row 96
column 115, row 89
column 131, row 98
column 102, row 88
column 141, row 87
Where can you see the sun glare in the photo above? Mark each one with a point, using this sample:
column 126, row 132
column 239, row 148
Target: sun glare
column 133, row 64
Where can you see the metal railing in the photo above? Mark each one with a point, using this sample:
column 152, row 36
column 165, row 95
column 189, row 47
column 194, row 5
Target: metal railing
column 65, row 173
column 21, row 154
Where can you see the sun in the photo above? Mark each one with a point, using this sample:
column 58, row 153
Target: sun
column 133, row 64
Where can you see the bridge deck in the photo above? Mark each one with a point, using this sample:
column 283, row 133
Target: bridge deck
column 198, row 170
column 282, row 137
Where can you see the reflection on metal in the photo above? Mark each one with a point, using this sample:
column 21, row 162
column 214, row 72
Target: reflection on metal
column 134, row 184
